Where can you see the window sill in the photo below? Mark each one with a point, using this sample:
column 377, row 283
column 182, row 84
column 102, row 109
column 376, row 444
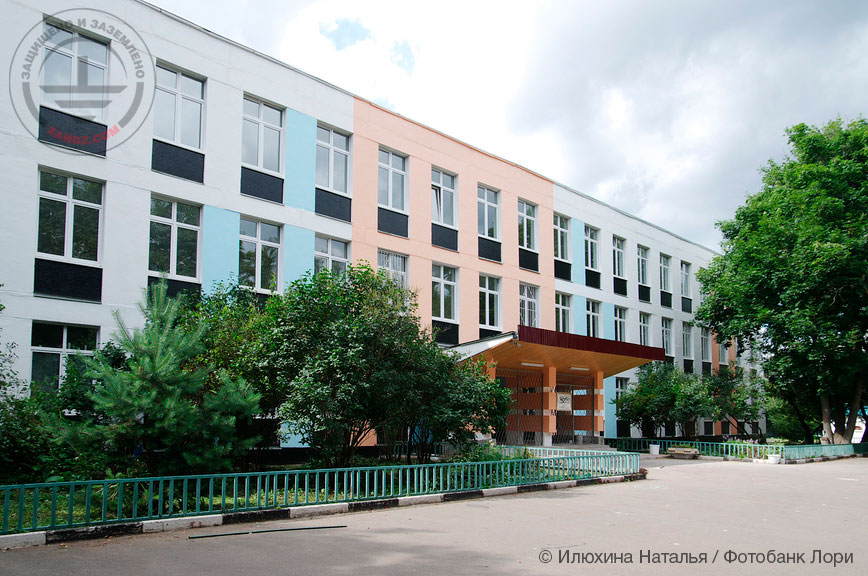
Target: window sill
column 261, row 170
column 390, row 209
column 179, row 145
column 338, row 192
column 69, row 260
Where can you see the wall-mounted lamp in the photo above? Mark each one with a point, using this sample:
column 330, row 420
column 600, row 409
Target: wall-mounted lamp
column 580, row 368
column 532, row 364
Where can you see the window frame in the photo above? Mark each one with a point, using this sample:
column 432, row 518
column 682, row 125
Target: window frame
column 723, row 353
column 438, row 189
column 528, row 304
column 618, row 249
column 563, row 312
column 642, row 253
column 666, row 335
column 261, row 126
column 485, row 203
column 705, row 345
column 69, row 216
column 665, row 269
column 561, row 236
column 488, row 293
column 687, row 340
column 175, row 225
column 64, row 351
column 443, row 282
column 332, row 151
column 592, row 248
column 328, row 256
column 260, row 243
column 392, row 171
column 527, row 215
column 179, row 97
column 401, row 277
column 592, row 318
column 76, row 61
column 685, row 279
column 644, row 329
column 620, row 322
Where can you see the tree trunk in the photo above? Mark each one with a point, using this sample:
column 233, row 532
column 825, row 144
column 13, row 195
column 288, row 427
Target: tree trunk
column 855, row 405
column 826, row 410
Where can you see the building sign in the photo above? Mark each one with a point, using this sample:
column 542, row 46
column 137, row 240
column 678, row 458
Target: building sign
column 565, row 402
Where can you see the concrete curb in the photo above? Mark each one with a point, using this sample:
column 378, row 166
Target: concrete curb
column 8, row 541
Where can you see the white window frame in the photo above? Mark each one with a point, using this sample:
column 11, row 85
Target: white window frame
column 328, row 255
column 69, row 216
column 618, row 245
column 685, row 279
column 260, row 243
column 592, row 238
column 484, row 204
column 179, row 97
column 71, row 50
column 390, row 204
column 528, row 305
column 527, row 219
column 439, row 189
column 665, row 263
column 173, row 242
column 644, row 329
column 563, row 311
column 620, row 320
column 592, row 318
column 705, row 344
column 621, row 385
column 723, row 353
column 687, row 340
column 561, row 225
column 486, row 293
column 64, row 351
column 333, row 151
column 642, row 264
column 666, row 335
column 392, row 263
column 261, row 125
column 438, row 277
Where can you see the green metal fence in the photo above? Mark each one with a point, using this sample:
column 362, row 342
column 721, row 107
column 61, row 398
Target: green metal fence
column 30, row 507
column 741, row 449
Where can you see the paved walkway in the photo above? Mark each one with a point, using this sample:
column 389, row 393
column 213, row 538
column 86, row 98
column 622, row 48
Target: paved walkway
column 684, row 507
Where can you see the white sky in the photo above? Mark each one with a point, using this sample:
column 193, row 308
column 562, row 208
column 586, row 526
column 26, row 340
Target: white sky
column 665, row 109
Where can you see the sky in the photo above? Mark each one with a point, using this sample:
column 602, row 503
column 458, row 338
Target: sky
column 666, row 109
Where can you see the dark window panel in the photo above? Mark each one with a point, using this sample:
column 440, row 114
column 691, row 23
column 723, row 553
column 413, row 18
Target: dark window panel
column 392, row 222
column 261, row 185
column 333, row 205
column 177, row 161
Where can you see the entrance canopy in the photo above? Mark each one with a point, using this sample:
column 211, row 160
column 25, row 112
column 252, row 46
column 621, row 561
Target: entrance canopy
column 568, row 353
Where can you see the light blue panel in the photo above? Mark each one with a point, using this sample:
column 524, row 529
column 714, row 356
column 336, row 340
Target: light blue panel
column 609, row 420
column 300, row 180
column 290, row 440
column 577, row 239
column 220, row 230
column 297, row 252
column 580, row 311
column 608, row 321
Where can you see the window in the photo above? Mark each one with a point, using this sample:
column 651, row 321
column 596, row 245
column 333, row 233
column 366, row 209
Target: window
column 724, row 353
column 620, row 324
column 667, row 336
column 69, row 216
column 75, row 72
column 618, row 256
column 261, row 135
column 489, row 302
column 526, row 225
column 664, row 273
column 330, row 254
column 644, row 329
column 642, row 263
column 705, row 344
column 174, row 239
column 563, row 303
column 442, row 197
column 392, row 180
column 592, row 317
column 394, row 265
column 444, row 292
column 179, row 101
column 562, row 237
column 620, row 386
column 488, row 212
column 259, row 255
column 332, row 160
column 686, row 340
column 685, row 279
column 528, row 305
column 54, row 345
column 591, row 235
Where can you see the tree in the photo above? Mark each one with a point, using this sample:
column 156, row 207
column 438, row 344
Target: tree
column 650, row 402
column 792, row 276
column 735, row 394
column 177, row 417
column 348, row 352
